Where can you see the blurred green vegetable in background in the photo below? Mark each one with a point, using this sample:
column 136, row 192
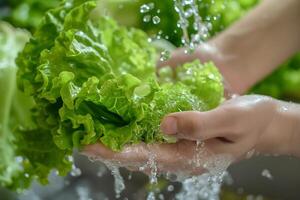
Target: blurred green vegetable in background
column 14, row 106
column 26, row 13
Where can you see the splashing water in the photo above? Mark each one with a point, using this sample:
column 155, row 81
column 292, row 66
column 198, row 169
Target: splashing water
column 188, row 11
column 83, row 193
column 101, row 171
column 199, row 188
column 119, row 181
column 152, row 165
column 207, row 185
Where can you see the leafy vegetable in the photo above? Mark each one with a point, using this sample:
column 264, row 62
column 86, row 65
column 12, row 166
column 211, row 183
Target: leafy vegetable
column 27, row 13
column 14, row 107
column 92, row 80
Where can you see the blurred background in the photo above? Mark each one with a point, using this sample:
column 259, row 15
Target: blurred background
column 257, row 178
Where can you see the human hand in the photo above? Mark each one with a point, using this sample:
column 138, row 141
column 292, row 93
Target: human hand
column 234, row 79
column 235, row 128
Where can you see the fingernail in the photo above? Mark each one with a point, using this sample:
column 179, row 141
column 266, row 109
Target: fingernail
column 169, row 126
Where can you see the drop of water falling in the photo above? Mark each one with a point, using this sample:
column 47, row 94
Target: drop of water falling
column 130, row 176
column 70, row 158
column 101, row 171
column 250, row 153
column 75, row 171
column 153, row 167
column 119, row 181
column 266, row 173
column 161, row 197
column 19, row 159
column 83, row 193
column 151, row 196
column 170, row 188
column 187, row 9
column 156, row 20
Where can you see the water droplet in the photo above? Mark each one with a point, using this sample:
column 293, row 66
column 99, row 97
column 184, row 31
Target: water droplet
column 56, row 172
column 75, row 171
column 151, row 196
column 147, row 18
column 130, row 176
column 156, row 20
column 19, row 159
column 170, row 188
column 161, row 197
column 266, row 173
column 164, row 55
column 101, row 171
column 250, row 153
column 83, row 193
column 146, row 7
column 70, row 158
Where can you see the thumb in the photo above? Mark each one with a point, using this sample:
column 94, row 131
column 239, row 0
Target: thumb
column 194, row 125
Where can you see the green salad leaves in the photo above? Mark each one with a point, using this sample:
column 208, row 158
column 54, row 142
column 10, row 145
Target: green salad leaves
column 89, row 80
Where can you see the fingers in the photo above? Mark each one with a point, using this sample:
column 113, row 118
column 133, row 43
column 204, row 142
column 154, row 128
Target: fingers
column 133, row 153
column 167, row 157
column 193, row 125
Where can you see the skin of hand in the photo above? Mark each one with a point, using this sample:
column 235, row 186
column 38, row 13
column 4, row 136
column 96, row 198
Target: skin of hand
column 236, row 127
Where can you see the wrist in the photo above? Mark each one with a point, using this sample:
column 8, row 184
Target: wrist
column 291, row 113
column 232, row 63
column 282, row 134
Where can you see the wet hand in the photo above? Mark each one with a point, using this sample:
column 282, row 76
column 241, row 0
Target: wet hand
column 235, row 128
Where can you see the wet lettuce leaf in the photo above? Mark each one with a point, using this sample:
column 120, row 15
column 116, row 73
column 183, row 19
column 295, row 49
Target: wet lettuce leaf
column 95, row 81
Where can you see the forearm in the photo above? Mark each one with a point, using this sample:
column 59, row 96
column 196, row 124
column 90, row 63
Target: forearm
column 257, row 44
